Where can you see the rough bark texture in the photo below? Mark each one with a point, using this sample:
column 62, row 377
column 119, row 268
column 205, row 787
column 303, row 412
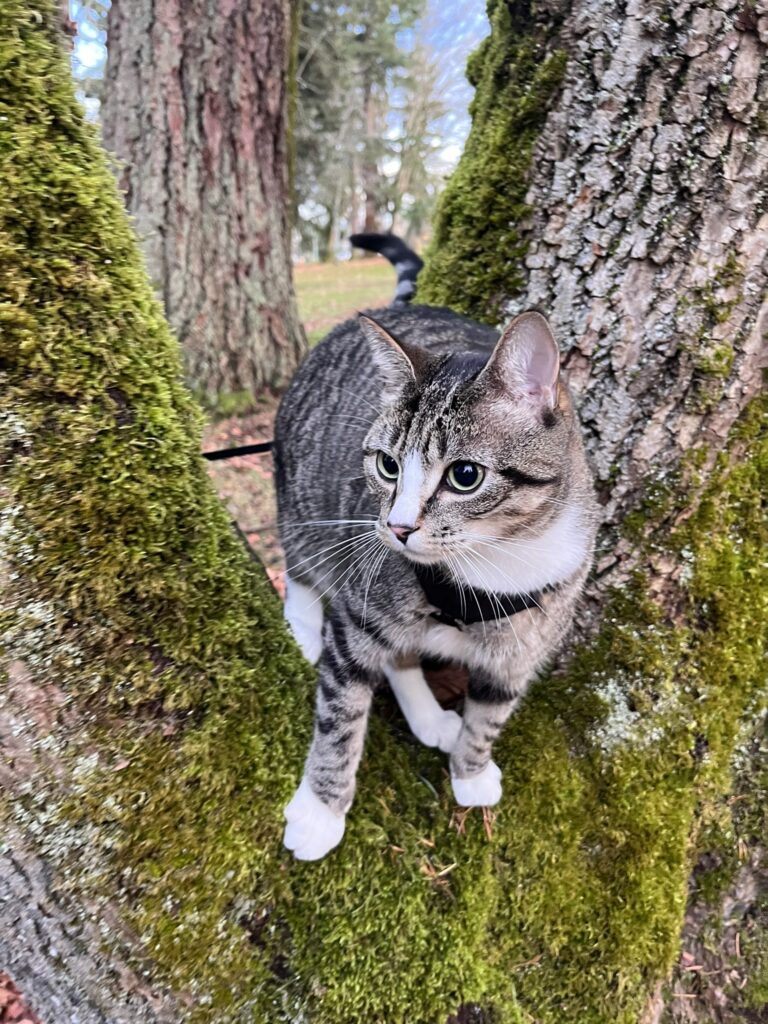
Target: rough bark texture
column 649, row 229
column 195, row 109
column 635, row 215
column 155, row 714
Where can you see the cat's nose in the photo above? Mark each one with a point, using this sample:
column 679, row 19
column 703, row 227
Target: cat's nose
column 402, row 532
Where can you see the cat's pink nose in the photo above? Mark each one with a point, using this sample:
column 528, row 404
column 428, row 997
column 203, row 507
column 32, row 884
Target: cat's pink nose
column 402, row 532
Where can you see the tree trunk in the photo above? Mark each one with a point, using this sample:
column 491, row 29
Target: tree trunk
column 196, row 111
column 155, row 714
column 371, row 180
column 614, row 179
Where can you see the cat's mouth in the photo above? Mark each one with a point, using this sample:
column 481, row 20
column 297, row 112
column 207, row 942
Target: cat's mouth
column 410, row 547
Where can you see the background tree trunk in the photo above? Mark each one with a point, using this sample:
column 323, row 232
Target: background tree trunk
column 155, row 714
column 195, row 109
column 371, row 176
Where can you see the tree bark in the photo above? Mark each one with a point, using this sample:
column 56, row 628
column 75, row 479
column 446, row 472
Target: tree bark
column 636, row 221
column 155, row 715
column 371, row 178
column 195, row 110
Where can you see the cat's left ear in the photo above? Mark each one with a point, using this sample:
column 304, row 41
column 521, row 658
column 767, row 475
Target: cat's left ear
column 398, row 363
column 526, row 360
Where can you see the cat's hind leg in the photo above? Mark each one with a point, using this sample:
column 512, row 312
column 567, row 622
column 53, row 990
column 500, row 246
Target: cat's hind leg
column 429, row 723
column 303, row 611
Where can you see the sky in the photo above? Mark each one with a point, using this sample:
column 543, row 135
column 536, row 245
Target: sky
column 452, row 29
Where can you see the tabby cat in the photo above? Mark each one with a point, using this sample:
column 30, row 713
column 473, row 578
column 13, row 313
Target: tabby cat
column 434, row 501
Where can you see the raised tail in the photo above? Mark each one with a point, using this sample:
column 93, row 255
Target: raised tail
column 404, row 260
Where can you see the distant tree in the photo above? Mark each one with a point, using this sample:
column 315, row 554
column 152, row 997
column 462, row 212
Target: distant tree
column 352, row 64
column 195, row 108
column 414, row 186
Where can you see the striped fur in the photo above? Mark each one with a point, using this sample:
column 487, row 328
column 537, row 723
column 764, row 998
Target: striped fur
column 405, row 261
column 428, row 387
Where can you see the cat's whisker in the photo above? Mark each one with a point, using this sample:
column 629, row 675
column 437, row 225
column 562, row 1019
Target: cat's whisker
column 344, row 556
column 375, row 568
column 474, row 595
column 497, row 603
column 334, row 549
column 367, row 562
column 563, row 503
column 349, row 415
column 356, row 395
column 497, row 547
column 350, row 421
column 331, row 522
column 318, row 525
column 528, row 595
column 488, row 562
column 450, row 560
column 508, row 541
column 505, row 546
column 358, row 557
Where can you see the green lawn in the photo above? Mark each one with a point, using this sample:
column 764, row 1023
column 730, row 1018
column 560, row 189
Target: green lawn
column 331, row 292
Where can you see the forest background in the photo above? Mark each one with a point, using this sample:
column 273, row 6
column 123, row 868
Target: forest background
column 381, row 112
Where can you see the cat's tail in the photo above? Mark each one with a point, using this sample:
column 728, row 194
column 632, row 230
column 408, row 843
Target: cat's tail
column 404, row 260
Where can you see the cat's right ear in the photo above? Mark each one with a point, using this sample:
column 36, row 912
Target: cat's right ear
column 398, row 364
column 526, row 361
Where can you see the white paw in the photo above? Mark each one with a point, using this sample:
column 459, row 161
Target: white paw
column 309, row 639
column 481, row 790
column 438, row 729
column 313, row 829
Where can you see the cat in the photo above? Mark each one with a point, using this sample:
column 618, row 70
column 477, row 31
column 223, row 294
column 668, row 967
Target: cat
column 434, row 500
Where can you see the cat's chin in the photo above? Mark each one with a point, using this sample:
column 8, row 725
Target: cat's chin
column 420, row 559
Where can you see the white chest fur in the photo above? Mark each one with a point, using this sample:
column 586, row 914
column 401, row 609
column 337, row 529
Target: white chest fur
column 522, row 565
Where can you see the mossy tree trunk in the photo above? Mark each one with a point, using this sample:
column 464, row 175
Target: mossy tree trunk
column 196, row 110
column 615, row 179
column 155, row 714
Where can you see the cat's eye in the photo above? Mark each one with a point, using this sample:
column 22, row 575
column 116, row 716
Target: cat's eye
column 387, row 466
column 464, row 476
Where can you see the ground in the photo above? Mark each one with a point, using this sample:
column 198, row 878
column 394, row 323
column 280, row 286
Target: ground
column 331, row 292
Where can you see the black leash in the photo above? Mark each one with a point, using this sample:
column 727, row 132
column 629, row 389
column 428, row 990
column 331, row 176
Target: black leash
column 244, row 449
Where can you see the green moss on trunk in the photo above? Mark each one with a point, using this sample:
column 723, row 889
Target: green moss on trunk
column 134, row 593
column 475, row 260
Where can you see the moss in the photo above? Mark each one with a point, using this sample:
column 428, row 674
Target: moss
column 134, row 593
column 475, row 260
column 710, row 305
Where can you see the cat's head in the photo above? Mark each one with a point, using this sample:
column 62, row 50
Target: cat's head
column 468, row 451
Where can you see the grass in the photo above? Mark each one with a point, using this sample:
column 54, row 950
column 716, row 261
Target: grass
column 331, row 292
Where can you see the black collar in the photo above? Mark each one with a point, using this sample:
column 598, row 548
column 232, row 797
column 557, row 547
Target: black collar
column 460, row 606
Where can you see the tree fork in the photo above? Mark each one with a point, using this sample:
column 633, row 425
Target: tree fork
column 156, row 714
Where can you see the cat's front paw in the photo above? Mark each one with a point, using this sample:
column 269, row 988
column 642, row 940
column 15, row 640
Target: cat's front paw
column 481, row 790
column 313, row 829
column 438, row 729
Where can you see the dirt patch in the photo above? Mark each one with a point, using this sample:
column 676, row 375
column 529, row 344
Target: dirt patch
column 12, row 1005
column 246, row 485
